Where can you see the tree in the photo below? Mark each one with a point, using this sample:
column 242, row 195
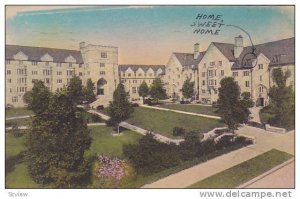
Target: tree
column 120, row 108
column 56, row 144
column 231, row 108
column 281, row 109
column 143, row 90
column 88, row 91
column 157, row 91
column 38, row 98
column 188, row 89
column 74, row 90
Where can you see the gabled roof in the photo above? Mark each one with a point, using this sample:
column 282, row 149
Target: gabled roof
column 187, row 59
column 278, row 52
column 226, row 50
column 35, row 53
column 124, row 67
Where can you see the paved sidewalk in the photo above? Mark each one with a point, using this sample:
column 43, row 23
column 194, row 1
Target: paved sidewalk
column 183, row 112
column 137, row 129
column 19, row 117
column 265, row 141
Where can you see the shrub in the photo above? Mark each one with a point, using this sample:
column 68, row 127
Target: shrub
column 100, row 108
column 95, row 118
column 135, row 105
column 12, row 161
column 178, row 131
column 221, row 131
column 148, row 102
column 111, row 122
column 225, row 141
column 16, row 131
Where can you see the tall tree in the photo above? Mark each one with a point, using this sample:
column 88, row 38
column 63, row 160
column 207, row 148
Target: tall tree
column 38, row 98
column 188, row 89
column 157, row 90
column 282, row 101
column 120, row 108
column 88, row 91
column 231, row 108
column 143, row 90
column 56, row 144
column 74, row 89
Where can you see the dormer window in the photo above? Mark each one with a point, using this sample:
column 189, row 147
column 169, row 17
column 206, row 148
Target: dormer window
column 34, row 63
column 70, row 64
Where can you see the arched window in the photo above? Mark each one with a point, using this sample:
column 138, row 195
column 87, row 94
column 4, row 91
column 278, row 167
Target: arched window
column 100, row 86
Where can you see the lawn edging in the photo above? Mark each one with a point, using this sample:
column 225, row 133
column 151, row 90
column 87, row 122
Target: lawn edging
column 246, row 184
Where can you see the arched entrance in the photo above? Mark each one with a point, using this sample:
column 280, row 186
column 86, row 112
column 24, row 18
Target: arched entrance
column 100, row 86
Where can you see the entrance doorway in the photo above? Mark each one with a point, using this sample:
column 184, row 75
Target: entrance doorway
column 100, row 86
column 260, row 101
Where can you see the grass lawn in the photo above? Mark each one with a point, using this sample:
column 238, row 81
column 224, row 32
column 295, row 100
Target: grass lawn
column 245, row 171
column 208, row 110
column 163, row 122
column 14, row 112
column 104, row 143
column 14, row 145
column 18, row 122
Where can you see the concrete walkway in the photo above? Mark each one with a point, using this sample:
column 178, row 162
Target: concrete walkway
column 183, row 112
column 255, row 114
column 137, row 129
column 265, row 141
column 26, row 127
column 19, row 117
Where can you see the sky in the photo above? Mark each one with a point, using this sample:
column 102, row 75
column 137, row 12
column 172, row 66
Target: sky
column 144, row 34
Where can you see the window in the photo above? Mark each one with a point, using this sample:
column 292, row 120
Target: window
column 7, row 61
column 150, row 75
column 123, row 74
column 140, row 75
column 203, row 83
column 235, row 74
column 102, row 72
column 260, row 78
column 10, row 90
column 203, row 91
column 70, row 65
column 129, row 75
column 133, row 90
column 203, row 74
column 47, row 80
column 210, row 73
column 261, row 89
column 46, row 72
column 8, row 72
column 212, row 63
column 80, row 73
column 260, row 66
column 247, row 83
column 9, row 80
column 34, row 63
column 204, row 65
column 134, row 81
column 216, row 91
column 59, row 73
column 80, row 65
column 59, row 80
column 246, row 73
column 34, row 72
column 102, row 64
column 222, row 72
column 103, row 55
column 215, row 82
column 220, row 63
column 70, row 72
column 14, row 99
column 58, row 64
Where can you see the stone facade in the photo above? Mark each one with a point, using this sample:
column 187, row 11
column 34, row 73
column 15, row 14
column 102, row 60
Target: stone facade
column 251, row 68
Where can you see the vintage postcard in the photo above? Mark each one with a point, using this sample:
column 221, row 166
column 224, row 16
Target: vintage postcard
column 136, row 96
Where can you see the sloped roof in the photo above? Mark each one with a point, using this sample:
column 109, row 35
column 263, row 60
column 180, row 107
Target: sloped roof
column 187, row 59
column 124, row 67
column 35, row 53
column 278, row 52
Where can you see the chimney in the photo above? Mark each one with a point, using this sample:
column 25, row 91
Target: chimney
column 81, row 45
column 196, row 50
column 238, row 46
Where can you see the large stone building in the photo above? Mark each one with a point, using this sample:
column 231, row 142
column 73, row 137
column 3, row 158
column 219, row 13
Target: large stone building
column 252, row 69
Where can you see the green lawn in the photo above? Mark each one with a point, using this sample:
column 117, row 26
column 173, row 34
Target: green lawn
column 14, row 145
column 104, row 143
column 163, row 122
column 14, row 112
column 245, row 171
column 208, row 110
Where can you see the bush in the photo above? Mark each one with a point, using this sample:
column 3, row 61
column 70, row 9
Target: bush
column 224, row 142
column 12, row 161
column 148, row 102
column 16, row 131
column 95, row 118
column 100, row 108
column 221, row 131
column 135, row 105
column 111, row 122
column 178, row 131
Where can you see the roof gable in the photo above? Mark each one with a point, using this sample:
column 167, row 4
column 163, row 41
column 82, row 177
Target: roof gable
column 187, row 59
column 20, row 56
column 46, row 57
